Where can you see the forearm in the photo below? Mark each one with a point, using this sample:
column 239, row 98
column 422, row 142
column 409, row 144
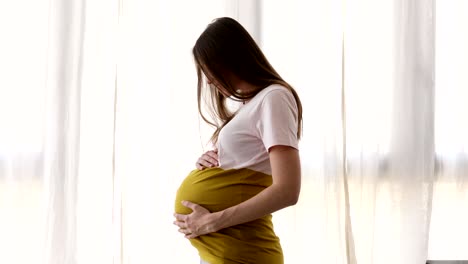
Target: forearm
column 272, row 199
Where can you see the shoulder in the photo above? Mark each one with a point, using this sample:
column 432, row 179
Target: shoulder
column 274, row 90
column 271, row 100
column 275, row 93
column 278, row 96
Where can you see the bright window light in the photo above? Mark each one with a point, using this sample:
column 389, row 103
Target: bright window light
column 23, row 70
column 451, row 79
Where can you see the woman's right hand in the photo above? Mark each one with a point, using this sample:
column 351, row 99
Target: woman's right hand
column 209, row 159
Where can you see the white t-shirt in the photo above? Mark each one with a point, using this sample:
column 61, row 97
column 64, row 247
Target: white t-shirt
column 268, row 119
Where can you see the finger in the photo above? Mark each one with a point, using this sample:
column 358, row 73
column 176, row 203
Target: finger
column 209, row 160
column 190, row 205
column 180, row 217
column 213, row 155
column 204, row 162
column 184, row 231
column 190, row 236
column 180, row 224
column 198, row 166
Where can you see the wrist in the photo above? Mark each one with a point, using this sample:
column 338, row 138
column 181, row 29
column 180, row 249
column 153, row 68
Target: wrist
column 216, row 221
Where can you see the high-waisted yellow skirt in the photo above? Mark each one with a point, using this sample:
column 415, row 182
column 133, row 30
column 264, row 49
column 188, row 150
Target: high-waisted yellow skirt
column 217, row 189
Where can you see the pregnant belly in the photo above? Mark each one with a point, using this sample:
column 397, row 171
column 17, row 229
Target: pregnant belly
column 217, row 189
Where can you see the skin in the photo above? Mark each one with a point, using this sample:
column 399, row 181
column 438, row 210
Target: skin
column 284, row 192
column 208, row 160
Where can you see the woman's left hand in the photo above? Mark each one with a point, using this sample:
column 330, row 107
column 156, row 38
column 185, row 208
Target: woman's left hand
column 197, row 223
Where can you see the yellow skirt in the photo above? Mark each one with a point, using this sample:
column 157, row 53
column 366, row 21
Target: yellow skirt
column 217, row 189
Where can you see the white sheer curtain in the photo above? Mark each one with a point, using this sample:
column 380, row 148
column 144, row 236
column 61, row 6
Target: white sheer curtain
column 379, row 209
column 56, row 122
column 21, row 131
column 396, row 66
column 91, row 158
column 448, row 233
column 40, row 124
column 61, row 131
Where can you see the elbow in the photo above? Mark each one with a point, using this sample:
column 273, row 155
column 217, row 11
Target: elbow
column 294, row 198
column 291, row 197
column 295, row 193
column 288, row 195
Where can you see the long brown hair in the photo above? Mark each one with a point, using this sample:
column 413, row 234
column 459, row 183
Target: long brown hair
column 225, row 48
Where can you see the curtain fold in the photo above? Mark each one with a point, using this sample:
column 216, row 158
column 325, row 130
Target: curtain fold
column 412, row 143
column 98, row 235
column 390, row 128
column 61, row 144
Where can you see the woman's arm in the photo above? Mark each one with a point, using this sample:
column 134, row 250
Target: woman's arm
column 284, row 192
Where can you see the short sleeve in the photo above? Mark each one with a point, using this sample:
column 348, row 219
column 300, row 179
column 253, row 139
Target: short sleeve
column 277, row 123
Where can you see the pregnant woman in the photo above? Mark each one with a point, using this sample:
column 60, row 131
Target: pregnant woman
column 224, row 206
